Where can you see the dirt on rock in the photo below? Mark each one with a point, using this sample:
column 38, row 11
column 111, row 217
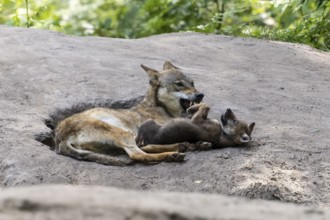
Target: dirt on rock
column 283, row 87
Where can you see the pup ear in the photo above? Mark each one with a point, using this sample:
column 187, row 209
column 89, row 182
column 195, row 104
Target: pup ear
column 251, row 126
column 153, row 75
column 229, row 115
column 168, row 66
column 223, row 120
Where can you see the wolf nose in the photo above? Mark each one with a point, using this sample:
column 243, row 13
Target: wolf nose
column 199, row 96
column 245, row 139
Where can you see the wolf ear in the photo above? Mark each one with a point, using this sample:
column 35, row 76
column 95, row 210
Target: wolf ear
column 251, row 126
column 153, row 75
column 169, row 66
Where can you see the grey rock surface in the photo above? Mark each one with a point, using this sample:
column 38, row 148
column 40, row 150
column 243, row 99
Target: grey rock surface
column 96, row 202
column 283, row 87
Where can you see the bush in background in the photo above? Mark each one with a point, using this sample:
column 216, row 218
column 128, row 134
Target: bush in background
column 302, row 21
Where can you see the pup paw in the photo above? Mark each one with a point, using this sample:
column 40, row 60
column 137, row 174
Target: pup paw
column 185, row 146
column 203, row 145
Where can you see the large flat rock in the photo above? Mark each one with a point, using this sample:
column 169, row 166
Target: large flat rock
column 100, row 203
column 283, row 87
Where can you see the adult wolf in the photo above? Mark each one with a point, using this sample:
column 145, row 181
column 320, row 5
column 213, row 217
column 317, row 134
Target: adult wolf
column 99, row 133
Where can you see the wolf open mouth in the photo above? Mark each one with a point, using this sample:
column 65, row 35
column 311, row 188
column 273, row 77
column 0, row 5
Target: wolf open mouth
column 186, row 103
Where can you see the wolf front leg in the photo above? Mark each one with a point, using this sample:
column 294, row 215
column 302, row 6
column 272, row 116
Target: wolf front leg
column 178, row 147
column 137, row 154
column 157, row 148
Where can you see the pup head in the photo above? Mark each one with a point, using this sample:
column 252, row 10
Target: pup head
column 146, row 133
column 175, row 91
column 238, row 131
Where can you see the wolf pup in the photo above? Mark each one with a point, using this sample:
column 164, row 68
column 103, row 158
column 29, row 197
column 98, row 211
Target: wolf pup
column 199, row 129
column 97, row 134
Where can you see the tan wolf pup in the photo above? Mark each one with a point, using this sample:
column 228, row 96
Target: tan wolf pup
column 99, row 133
column 199, row 129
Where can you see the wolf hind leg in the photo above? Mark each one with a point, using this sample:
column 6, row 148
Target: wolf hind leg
column 68, row 149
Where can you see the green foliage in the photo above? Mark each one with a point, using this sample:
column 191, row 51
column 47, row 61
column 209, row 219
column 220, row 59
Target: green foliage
column 303, row 21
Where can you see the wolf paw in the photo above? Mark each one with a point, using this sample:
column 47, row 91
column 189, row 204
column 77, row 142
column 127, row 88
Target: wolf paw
column 176, row 157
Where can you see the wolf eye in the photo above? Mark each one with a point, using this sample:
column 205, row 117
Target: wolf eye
column 180, row 84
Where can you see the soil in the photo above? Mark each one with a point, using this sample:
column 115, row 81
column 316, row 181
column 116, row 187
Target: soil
column 283, row 87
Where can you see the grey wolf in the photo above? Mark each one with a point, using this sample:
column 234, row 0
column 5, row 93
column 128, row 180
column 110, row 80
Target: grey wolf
column 99, row 134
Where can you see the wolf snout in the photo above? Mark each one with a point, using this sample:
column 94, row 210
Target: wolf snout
column 198, row 97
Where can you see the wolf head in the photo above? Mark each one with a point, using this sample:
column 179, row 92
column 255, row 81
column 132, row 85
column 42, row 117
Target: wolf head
column 238, row 131
column 175, row 90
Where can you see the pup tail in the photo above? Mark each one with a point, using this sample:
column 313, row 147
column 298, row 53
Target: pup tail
column 69, row 150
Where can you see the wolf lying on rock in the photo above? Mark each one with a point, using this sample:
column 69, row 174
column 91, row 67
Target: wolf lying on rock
column 98, row 134
column 199, row 129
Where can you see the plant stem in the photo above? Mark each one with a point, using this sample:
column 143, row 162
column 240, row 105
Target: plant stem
column 221, row 11
column 27, row 13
